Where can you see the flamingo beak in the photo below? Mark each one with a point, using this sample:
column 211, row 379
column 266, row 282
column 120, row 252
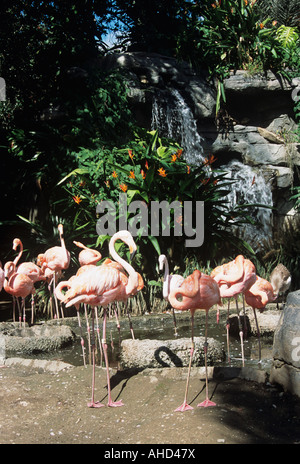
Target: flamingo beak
column 132, row 252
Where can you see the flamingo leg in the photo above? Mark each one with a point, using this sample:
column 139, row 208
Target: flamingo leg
column 88, row 331
column 55, row 299
column 24, row 311
column 81, row 338
column 93, row 404
column 98, row 336
column 118, row 325
column 207, row 402
column 227, row 332
column 258, row 336
column 175, row 324
column 14, row 309
column 104, row 344
column 130, row 322
column 185, row 406
column 241, row 334
column 32, row 309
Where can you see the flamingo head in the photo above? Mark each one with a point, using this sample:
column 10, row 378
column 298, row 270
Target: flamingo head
column 16, row 242
column 127, row 238
column 60, row 229
column 161, row 261
column 9, row 269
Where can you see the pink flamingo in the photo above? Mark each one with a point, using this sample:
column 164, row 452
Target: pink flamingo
column 33, row 271
column 258, row 296
column 17, row 285
column 101, row 286
column 55, row 259
column 198, row 291
column 234, row 278
column 87, row 255
column 170, row 282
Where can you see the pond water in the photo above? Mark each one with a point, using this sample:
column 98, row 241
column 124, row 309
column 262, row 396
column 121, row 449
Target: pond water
column 73, row 354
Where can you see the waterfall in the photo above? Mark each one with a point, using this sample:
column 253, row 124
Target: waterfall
column 174, row 119
column 250, row 187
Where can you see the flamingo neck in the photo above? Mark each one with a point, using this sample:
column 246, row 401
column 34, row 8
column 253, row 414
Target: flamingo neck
column 18, row 257
column 166, row 283
column 63, row 245
column 133, row 276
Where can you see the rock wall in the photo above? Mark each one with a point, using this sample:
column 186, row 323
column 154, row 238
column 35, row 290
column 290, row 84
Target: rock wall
column 286, row 348
column 256, row 128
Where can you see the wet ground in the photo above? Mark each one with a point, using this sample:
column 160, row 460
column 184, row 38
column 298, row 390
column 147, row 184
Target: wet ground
column 42, row 407
column 39, row 406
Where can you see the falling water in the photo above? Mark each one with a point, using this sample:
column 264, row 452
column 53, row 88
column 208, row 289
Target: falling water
column 174, row 119
column 250, row 187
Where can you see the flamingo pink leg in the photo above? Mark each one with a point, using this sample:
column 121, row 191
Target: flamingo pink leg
column 206, row 403
column 104, row 345
column 185, row 406
column 93, row 404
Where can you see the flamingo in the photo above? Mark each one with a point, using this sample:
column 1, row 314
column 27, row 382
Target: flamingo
column 257, row 296
column 198, row 291
column 170, row 282
column 17, row 285
column 101, row 286
column 280, row 279
column 87, row 255
column 33, row 271
column 55, row 259
column 233, row 278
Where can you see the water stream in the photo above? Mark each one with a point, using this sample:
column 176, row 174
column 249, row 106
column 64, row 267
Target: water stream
column 174, row 119
column 250, row 188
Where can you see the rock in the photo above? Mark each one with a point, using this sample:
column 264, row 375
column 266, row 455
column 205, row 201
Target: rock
column 267, row 320
column 286, row 348
column 35, row 339
column 270, row 136
column 168, row 353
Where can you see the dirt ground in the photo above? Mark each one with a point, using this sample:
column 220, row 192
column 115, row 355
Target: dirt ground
column 38, row 407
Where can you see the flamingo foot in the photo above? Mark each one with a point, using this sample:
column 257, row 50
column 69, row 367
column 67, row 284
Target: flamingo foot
column 205, row 404
column 184, row 407
column 115, row 404
column 95, row 404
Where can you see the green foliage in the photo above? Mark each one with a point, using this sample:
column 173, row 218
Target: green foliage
column 151, row 169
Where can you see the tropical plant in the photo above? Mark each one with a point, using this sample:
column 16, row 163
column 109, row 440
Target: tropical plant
column 151, row 169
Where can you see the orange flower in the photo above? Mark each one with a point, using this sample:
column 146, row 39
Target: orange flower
column 146, row 165
column 82, row 183
column 143, row 174
column 261, row 25
column 132, row 175
column 107, row 183
column 162, row 172
column 179, row 152
column 210, row 160
column 188, row 169
column 215, row 182
column 123, row 187
column 173, row 158
column 114, row 174
column 131, row 155
column 77, row 199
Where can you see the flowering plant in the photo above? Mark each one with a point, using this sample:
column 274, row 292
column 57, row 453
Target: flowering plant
column 151, row 169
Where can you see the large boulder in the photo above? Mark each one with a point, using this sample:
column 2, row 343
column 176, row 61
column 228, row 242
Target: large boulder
column 286, row 349
column 144, row 354
column 36, row 339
